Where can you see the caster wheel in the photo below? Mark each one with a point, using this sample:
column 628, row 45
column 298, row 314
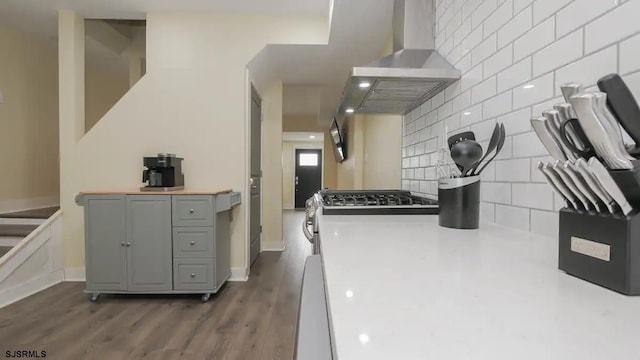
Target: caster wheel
column 94, row 297
column 205, row 298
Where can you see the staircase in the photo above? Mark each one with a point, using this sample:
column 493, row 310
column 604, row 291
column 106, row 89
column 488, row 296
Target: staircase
column 18, row 225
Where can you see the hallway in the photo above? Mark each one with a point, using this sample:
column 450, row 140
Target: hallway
column 246, row 320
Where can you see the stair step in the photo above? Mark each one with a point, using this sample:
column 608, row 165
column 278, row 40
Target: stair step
column 43, row 213
column 16, row 230
column 4, row 250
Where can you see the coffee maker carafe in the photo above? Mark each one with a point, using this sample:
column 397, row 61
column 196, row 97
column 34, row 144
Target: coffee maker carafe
column 163, row 172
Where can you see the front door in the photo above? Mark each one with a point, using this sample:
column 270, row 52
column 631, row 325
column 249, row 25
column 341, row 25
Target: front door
column 308, row 178
column 255, row 225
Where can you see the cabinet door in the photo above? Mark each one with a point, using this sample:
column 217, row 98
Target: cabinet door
column 149, row 235
column 105, row 242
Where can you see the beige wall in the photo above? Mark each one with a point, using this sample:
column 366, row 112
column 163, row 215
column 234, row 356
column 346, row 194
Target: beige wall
column 309, row 123
column 382, row 151
column 102, row 91
column 193, row 101
column 351, row 170
column 272, row 168
column 288, row 167
column 28, row 122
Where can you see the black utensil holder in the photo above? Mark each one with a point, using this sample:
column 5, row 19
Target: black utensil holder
column 629, row 183
column 603, row 249
column 459, row 202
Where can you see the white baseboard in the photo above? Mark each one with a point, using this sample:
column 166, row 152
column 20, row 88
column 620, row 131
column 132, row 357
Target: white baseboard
column 239, row 274
column 7, row 206
column 287, row 207
column 75, row 274
column 19, row 292
column 273, row 246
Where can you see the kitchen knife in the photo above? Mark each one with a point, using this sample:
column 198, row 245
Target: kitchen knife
column 548, row 170
column 584, row 105
column 622, row 104
column 564, row 193
column 570, row 89
column 582, row 185
column 610, row 185
column 557, row 167
column 539, row 125
column 565, row 111
column 610, row 122
column 553, row 124
column 582, row 167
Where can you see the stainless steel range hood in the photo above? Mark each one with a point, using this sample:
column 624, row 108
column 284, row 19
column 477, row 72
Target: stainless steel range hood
column 412, row 74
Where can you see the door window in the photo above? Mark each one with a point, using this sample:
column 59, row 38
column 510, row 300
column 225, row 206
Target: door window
column 308, row 159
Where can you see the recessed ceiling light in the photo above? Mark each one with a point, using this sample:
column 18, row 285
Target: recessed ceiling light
column 466, row 113
column 528, row 86
column 311, row 137
column 349, row 110
column 364, row 338
column 364, row 84
column 349, row 293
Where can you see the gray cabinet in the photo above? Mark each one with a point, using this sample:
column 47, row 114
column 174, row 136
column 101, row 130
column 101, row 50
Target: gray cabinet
column 149, row 243
column 142, row 243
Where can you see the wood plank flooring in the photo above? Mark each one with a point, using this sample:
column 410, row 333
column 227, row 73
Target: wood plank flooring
column 246, row 320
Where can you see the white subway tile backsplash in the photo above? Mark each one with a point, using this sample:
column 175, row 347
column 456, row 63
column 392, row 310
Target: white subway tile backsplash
column 452, row 91
column 527, row 145
column 613, row 26
column 471, row 115
column 453, row 25
column 558, row 53
column 487, row 212
column 446, row 46
column 483, row 90
column 497, row 105
column 424, row 160
column 453, row 122
column 445, row 18
column 461, row 101
column 588, row 69
column 444, row 110
column 545, row 223
column 472, row 40
column 483, row 11
column 513, row 217
column 462, row 31
column 544, row 8
column 468, row 8
column 496, row 192
column 534, row 40
column 484, row 50
column 488, row 174
column 518, row 5
column 425, row 107
column 579, row 13
column 424, row 187
column 415, row 162
column 507, row 149
column 498, row 18
column 471, row 78
column 514, row 170
column 483, row 129
column 534, row 91
column 517, row 26
column 630, row 55
column 437, row 100
column 517, row 121
column 514, row 75
column 633, row 82
column 537, row 109
column 430, row 173
column 432, row 117
column 537, row 196
column 498, row 61
column 464, row 64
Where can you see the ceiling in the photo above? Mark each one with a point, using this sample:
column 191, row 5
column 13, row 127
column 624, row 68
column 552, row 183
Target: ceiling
column 313, row 75
column 303, row 136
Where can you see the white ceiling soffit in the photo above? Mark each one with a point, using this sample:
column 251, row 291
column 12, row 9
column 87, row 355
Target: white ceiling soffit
column 303, row 136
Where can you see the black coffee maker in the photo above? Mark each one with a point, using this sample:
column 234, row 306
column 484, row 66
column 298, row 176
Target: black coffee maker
column 163, row 172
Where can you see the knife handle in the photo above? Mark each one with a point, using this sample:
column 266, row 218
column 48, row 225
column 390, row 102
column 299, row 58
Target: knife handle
column 622, row 104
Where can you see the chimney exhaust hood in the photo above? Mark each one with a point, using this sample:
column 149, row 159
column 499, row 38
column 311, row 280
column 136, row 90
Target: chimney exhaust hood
column 412, row 74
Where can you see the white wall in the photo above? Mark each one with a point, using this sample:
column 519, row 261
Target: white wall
column 500, row 46
column 272, row 168
column 382, row 151
column 193, row 101
column 288, row 167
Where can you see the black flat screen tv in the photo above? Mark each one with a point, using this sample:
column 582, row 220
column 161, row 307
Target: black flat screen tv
column 338, row 139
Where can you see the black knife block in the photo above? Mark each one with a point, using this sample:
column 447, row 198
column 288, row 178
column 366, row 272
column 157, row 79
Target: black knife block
column 601, row 248
column 629, row 183
column 459, row 202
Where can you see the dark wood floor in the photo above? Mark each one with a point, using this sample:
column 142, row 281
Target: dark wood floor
column 43, row 213
column 246, row 320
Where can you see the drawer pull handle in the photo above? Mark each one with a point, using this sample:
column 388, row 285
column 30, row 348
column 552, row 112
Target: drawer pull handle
column 193, row 275
column 191, row 211
column 128, row 244
column 192, row 243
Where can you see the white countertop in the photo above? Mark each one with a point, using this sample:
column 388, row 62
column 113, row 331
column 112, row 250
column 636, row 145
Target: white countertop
column 403, row 288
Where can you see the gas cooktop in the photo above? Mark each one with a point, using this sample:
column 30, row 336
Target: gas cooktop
column 376, row 202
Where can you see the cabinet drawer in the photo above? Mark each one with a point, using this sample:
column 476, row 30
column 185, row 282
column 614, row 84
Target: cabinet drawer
column 193, row 274
column 193, row 242
column 192, row 210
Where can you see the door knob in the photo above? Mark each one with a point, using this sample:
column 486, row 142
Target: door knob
column 192, row 243
column 193, row 275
